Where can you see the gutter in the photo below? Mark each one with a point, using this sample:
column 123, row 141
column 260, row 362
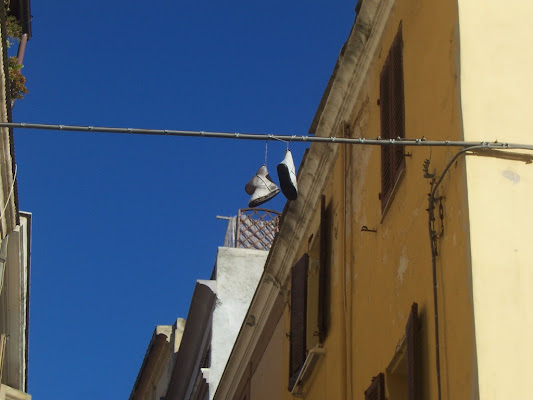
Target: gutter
column 21, row 9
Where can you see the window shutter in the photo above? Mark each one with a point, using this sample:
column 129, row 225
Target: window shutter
column 298, row 319
column 413, row 353
column 392, row 112
column 386, row 159
column 376, row 390
column 323, row 288
column 398, row 105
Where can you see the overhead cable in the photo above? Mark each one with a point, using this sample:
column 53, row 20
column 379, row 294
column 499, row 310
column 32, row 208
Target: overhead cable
column 261, row 136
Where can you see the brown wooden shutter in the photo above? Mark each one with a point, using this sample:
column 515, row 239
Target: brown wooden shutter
column 323, row 285
column 397, row 104
column 392, row 112
column 386, row 155
column 298, row 319
column 376, row 390
column 413, row 354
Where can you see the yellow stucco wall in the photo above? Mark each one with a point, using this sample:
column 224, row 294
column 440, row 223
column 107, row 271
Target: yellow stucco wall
column 496, row 82
column 376, row 277
column 467, row 74
column 264, row 383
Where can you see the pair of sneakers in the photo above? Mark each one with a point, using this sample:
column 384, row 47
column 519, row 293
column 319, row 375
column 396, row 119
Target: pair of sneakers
column 262, row 188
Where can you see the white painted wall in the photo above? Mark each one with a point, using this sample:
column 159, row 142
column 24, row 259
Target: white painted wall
column 238, row 274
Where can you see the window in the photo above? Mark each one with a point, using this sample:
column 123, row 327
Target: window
column 324, row 273
column 404, row 370
column 298, row 319
column 309, row 305
column 392, row 119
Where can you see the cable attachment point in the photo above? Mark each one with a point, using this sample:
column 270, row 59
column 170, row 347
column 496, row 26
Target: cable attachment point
column 426, row 169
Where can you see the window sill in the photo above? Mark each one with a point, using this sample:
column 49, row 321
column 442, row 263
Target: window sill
column 312, row 357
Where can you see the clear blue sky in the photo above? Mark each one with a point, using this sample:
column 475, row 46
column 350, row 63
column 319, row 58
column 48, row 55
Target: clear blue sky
column 123, row 226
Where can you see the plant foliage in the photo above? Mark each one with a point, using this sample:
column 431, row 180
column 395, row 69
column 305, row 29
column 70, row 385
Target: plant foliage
column 13, row 29
column 17, row 81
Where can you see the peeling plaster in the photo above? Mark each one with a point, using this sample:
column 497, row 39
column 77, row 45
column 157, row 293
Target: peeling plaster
column 402, row 267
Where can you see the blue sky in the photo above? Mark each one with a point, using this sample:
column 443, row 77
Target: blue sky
column 124, row 225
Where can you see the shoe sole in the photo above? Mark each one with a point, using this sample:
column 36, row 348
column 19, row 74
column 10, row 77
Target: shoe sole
column 288, row 189
column 264, row 199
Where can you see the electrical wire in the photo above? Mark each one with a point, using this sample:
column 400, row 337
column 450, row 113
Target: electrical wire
column 434, row 252
column 10, row 192
column 256, row 136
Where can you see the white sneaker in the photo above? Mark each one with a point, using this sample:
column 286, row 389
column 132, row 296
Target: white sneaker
column 261, row 188
column 287, row 177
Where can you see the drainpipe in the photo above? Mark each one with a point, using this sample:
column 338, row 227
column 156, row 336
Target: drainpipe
column 434, row 251
column 22, row 48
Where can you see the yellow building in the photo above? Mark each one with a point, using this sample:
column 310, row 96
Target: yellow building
column 405, row 273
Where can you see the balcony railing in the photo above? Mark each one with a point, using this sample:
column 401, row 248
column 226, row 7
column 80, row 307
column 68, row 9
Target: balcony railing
column 253, row 228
